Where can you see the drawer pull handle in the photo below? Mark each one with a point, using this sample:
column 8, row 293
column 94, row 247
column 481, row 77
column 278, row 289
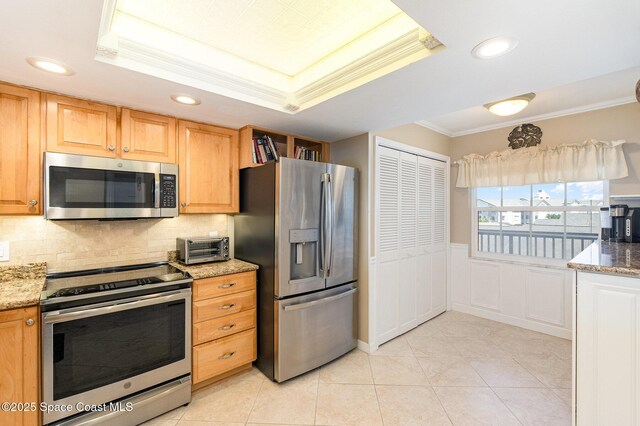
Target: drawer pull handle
column 227, row 327
column 227, row 285
column 225, row 307
column 227, row 356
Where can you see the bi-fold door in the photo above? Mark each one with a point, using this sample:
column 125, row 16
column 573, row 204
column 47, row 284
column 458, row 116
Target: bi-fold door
column 411, row 205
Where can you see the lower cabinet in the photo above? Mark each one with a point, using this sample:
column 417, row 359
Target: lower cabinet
column 607, row 350
column 224, row 325
column 19, row 366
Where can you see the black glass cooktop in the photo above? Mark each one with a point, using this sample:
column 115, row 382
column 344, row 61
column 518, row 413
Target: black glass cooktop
column 98, row 280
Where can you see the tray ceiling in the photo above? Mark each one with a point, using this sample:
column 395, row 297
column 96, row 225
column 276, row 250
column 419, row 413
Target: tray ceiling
column 285, row 55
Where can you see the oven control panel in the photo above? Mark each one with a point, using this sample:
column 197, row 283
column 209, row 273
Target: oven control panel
column 168, row 191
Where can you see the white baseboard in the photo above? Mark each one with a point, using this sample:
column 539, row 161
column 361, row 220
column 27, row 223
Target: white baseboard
column 364, row 346
column 518, row 322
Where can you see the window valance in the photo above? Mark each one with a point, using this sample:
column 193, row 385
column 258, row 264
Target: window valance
column 586, row 161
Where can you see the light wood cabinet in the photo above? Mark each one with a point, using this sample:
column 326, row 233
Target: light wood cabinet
column 607, row 350
column 208, row 162
column 147, row 137
column 224, row 326
column 286, row 144
column 76, row 126
column 20, row 151
column 19, row 370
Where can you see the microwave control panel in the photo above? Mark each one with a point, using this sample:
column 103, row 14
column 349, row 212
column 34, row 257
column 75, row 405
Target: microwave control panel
column 168, row 191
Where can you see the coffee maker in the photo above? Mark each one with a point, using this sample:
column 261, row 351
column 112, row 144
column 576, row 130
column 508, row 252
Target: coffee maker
column 618, row 213
column 632, row 226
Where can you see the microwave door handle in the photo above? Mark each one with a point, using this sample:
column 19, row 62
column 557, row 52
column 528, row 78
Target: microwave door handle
column 156, row 191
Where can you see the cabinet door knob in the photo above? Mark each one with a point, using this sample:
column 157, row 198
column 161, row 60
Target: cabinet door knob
column 33, row 202
column 112, row 148
column 30, row 322
column 125, row 149
column 183, row 204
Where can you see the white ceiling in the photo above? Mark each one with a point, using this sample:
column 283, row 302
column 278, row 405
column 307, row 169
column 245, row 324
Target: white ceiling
column 561, row 42
column 595, row 93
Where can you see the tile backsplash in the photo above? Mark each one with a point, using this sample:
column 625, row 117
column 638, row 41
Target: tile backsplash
column 86, row 244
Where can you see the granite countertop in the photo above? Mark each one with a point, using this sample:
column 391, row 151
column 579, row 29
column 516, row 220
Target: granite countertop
column 20, row 285
column 609, row 258
column 214, row 269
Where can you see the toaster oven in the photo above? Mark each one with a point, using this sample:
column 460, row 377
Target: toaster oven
column 202, row 249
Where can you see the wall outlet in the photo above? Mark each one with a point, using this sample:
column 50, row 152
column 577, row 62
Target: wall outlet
column 4, row 251
column 213, row 234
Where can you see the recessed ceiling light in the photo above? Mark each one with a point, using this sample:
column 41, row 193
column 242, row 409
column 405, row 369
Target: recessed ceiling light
column 494, row 47
column 186, row 99
column 50, row 65
column 510, row 106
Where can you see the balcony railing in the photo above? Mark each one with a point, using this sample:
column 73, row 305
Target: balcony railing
column 554, row 245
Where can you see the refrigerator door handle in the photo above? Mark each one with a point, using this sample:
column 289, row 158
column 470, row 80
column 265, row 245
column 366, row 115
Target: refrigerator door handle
column 329, row 203
column 323, row 200
column 296, row 306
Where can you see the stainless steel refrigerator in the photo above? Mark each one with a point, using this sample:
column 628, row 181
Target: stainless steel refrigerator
column 298, row 222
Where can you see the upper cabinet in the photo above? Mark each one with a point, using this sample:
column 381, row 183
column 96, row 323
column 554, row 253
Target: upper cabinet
column 208, row 163
column 75, row 126
column 20, row 150
column 148, row 137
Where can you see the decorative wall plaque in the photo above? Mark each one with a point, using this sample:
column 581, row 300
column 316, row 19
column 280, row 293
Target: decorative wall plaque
column 525, row 135
column 638, row 90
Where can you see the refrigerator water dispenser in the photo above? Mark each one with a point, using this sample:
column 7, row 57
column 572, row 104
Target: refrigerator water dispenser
column 304, row 253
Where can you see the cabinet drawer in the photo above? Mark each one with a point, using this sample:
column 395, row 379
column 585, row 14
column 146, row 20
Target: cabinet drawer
column 220, row 306
column 224, row 326
column 223, row 285
column 217, row 357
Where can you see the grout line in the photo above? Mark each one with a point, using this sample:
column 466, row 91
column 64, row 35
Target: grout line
column 255, row 399
column 507, row 406
column 315, row 409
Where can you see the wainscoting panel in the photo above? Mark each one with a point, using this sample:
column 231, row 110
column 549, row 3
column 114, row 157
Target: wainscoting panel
column 536, row 298
column 485, row 286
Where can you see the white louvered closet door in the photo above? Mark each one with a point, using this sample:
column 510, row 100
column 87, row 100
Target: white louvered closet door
column 388, row 250
column 440, row 238
column 411, row 241
column 424, row 292
column 408, row 265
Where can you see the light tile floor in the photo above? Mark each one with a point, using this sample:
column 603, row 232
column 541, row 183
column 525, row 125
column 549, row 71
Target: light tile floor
column 455, row 369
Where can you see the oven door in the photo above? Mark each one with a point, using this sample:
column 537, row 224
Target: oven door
column 82, row 187
column 98, row 353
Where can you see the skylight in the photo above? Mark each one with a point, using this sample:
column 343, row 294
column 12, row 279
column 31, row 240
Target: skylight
column 283, row 54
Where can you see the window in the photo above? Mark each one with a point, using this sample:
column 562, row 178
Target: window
column 550, row 221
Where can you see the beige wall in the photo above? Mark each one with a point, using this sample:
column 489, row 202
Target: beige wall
column 73, row 245
column 419, row 137
column 620, row 122
column 354, row 152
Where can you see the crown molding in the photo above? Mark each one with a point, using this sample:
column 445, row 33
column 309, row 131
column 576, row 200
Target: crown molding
column 556, row 114
column 435, row 128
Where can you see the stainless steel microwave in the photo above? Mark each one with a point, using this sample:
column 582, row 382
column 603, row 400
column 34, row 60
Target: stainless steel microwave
column 84, row 187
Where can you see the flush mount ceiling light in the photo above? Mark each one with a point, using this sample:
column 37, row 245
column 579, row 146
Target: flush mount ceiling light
column 50, row 65
column 282, row 55
column 494, row 47
column 510, row 106
column 185, row 99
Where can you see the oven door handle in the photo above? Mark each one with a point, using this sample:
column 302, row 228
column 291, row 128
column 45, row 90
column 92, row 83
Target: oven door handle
column 120, row 305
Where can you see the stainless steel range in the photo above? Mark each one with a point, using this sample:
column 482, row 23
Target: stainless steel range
column 116, row 344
